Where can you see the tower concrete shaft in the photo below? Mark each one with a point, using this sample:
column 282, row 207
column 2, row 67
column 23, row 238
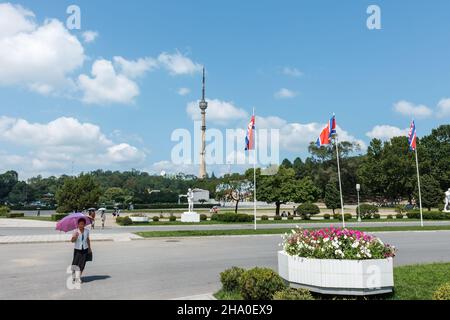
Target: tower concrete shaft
column 203, row 106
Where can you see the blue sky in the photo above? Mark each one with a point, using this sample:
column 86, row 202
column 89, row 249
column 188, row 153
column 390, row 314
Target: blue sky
column 296, row 62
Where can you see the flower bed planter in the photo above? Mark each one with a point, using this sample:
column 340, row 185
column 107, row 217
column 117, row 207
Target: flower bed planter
column 337, row 261
column 139, row 219
column 341, row 277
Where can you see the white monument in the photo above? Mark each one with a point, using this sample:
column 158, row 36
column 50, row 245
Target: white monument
column 190, row 216
column 447, row 202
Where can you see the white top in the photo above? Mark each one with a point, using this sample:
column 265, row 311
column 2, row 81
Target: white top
column 81, row 243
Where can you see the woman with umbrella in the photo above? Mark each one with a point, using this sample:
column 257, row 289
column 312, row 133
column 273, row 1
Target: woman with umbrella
column 82, row 243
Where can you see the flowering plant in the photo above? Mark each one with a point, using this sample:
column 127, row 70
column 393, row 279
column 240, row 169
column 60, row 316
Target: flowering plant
column 336, row 243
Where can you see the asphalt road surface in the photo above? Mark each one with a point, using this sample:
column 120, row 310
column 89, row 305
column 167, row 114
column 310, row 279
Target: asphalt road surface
column 166, row 268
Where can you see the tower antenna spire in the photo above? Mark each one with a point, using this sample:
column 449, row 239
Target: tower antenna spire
column 203, row 87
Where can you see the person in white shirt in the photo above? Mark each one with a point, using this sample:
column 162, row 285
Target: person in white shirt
column 82, row 248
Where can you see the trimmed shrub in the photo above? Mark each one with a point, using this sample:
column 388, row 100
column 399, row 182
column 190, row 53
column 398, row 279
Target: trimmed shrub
column 119, row 220
column 15, row 215
column 308, row 208
column 428, row 215
column 400, row 209
column 327, row 216
column 215, row 217
column 293, row 294
column 348, row 216
column 290, row 217
column 367, row 211
column 390, row 217
column 203, row 217
column 59, row 216
column 443, row 292
column 155, row 218
column 172, row 218
column 264, row 218
column 399, row 216
column 377, row 216
column 260, row 284
column 337, row 216
column 278, row 218
column 4, row 210
column 233, row 217
column 126, row 221
column 230, row 279
column 413, row 215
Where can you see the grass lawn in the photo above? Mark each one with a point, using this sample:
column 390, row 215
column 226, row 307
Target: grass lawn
column 415, row 282
column 418, row 282
column 238, row 232
column 30, row 218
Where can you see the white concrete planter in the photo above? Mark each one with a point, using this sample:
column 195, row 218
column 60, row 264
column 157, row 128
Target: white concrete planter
column 139, row 219
column 341, row 277
column 190, row 217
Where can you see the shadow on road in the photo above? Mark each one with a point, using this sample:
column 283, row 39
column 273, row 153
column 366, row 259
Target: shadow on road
column 94, row 278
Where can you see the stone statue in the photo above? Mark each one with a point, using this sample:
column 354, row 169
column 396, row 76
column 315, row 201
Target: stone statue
column 190, row 198
column 447, row 201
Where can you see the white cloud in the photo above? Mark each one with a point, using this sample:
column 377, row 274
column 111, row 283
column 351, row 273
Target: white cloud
column 89, row 36
column 386, row 132
column 184, row 91
column 411, row 110
column 285, row 94
column 293, row 72
column 40, row 57
column 107, row 86
column 220, row 112
column 15, row 19
column 137, row 68
column 51, row 147
column 178, row 64
column 444, row 108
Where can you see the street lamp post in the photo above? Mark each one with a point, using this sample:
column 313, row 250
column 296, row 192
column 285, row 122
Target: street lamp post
column 358, row 188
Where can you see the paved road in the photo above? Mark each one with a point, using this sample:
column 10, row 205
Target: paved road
column 11, row 231
column 164, row 268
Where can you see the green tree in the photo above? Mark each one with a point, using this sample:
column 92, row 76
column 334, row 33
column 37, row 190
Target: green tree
column 235, row 186
column 332, row 196
column 21, row 193
column 432, row 193
column 78, row 194
column 283, row 187
column 7, row 182
column 286, row 163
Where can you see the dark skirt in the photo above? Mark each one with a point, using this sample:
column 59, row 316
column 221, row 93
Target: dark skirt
column 79, row 258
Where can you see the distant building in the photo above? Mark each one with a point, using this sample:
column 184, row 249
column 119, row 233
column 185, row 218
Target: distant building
column 200, row 194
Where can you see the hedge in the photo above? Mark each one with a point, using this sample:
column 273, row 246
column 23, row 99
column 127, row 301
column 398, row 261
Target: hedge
column 233, row 217
column 429, row 215
column 15, row 215
column 59, row 216
column 260, row 284
column 367, row 211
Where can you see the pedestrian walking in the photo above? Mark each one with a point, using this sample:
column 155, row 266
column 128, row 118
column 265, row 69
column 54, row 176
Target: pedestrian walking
column 103, row 217
column 91, row 213
column 82, row 250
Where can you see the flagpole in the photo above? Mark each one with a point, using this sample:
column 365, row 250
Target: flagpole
column 340, row 183
column 418, row 185
column 254, row 171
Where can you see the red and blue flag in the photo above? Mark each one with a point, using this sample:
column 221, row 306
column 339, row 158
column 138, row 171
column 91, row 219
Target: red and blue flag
column 327, row 133
column 412, row 137
column 250, row 137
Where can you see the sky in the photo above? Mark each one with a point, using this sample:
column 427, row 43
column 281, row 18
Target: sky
column 110, row 94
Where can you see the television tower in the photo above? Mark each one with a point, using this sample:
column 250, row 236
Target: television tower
column 203, row 106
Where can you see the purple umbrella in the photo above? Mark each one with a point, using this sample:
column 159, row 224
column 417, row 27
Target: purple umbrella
column 70, row 222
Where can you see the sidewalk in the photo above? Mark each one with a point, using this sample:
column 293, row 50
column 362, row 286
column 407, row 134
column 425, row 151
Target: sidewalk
column 24, row 223
column 62, row 237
